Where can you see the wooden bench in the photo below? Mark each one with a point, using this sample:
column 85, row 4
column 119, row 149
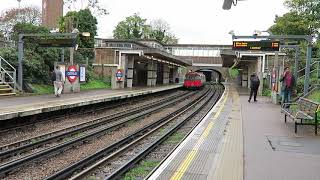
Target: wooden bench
column 303, row 112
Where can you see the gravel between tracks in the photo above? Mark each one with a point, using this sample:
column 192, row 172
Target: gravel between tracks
column 159, row 153
column 50, row 126
column 43, row 168
column 112, row 165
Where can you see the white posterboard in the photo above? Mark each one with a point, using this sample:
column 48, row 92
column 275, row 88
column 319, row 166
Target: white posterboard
column 82, row 74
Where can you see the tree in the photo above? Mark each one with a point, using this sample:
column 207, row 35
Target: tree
column 134, row 27
column 37, row 60
column 290, row 24
column 309, row 10
column 10, row 17
column 160, row 30
column 84, row 21
column 92, row 5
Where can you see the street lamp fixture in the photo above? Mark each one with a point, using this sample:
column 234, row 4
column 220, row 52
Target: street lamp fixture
column 76, row 31
column 85, row 34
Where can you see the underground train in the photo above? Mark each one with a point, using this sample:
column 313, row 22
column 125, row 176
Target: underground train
column 194, row 80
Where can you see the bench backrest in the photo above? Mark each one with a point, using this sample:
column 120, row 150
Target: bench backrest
column 308, row 106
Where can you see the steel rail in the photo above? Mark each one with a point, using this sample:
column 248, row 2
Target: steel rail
column 49, row 137
column 62, row 174
column 70, row 113
column 120, row 171
column 9, row 166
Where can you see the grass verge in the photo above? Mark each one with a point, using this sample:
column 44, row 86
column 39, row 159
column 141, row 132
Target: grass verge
column 95, row 84
column 43, row 89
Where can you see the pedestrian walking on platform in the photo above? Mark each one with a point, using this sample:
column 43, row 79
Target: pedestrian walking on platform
column 288, row 83
column 254, row 86
column 58, row 81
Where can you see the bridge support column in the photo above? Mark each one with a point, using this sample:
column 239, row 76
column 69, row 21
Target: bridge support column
column 175, row 75
column 130, row 66
column 166, row 72
column 152, row 73
column 119, row 84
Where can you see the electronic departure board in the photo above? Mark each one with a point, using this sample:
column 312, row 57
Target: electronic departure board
column 67, row 42
column 256, row 45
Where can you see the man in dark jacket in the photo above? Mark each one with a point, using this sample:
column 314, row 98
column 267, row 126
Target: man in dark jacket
column 288, row 82
column 255, row 82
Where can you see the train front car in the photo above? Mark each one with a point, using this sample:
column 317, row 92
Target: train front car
column 194, row 80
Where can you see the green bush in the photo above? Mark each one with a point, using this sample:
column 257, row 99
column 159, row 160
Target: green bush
column 315, row 96
column 266, row 92
column 233, row 73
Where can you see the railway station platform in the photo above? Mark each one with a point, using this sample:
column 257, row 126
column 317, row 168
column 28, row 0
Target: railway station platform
column 12, row 107
column 240, row 140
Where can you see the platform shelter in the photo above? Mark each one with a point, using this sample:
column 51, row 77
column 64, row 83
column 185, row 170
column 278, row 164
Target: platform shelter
column 132, row 63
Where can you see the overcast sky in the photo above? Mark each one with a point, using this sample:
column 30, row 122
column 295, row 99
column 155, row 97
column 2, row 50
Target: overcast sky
column 192, row 21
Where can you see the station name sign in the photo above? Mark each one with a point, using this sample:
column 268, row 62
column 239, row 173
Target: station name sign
column 256, row 45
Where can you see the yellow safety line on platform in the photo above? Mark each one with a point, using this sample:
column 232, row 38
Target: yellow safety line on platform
column 187, row 161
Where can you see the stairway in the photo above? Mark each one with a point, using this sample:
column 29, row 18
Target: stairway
column 6, row 90
column 7, row 78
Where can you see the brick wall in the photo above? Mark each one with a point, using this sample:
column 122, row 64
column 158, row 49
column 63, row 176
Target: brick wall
column 52, row 10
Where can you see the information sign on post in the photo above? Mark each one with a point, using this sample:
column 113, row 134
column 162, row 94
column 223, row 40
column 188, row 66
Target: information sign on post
column 256, row 45
column 119, row 74
column 82, row 74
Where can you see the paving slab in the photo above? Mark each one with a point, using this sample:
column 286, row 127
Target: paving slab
column 272, row 151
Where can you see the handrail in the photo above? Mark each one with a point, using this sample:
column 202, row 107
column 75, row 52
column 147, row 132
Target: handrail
column 303, row 69
column 1, row 59
column 305, row 75
column 9, row 73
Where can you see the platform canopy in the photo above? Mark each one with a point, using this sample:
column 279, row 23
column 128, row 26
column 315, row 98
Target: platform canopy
column 228, row 57
column 51, row 40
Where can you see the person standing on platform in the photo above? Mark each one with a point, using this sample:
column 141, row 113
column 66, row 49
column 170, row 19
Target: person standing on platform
column 58, row 83
column 288, row 82
column 254, row 86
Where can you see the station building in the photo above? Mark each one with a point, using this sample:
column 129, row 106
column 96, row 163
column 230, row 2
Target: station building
column 143, row 63
column 249, row 62
column 150, row 62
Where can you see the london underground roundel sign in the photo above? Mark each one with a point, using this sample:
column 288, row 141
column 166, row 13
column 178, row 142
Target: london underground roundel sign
column 119, row 75
column 72, row 73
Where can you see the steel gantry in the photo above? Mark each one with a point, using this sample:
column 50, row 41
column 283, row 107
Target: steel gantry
column 286, row 37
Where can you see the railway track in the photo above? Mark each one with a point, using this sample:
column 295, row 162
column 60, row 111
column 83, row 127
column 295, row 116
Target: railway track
column 114, row 150
column 72, row 113
column 26, row 145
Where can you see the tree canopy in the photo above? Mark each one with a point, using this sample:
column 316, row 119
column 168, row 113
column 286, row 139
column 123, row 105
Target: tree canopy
column 160, row 30
column 92, row 5
column 308, row 10
column 133, row 27
column 291, row 24
column 136, row 27
column 84, row 21
column 9, row 18
column 302, row 19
